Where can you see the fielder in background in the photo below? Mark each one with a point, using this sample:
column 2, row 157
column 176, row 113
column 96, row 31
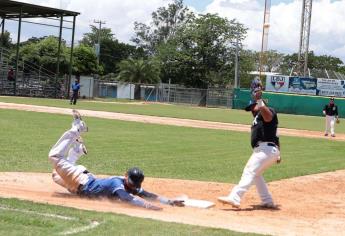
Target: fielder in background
column 75, row 91
column 331, row 112
column 78, row 180
column 266, row 152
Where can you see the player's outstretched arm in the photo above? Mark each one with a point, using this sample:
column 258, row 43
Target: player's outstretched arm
column 154, row 197
column 126, row 197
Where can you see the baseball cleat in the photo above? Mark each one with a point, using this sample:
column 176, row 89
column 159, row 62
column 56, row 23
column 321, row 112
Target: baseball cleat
column 78, row 122
column 333, row 135
column 227, row 200
column 270, row 205
column 326, row 134
column 76, row 115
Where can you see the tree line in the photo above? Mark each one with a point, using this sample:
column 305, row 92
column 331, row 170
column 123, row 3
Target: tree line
column 177, row 46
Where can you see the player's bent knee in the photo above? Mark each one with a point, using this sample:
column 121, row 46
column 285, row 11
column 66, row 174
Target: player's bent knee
column 54, row 160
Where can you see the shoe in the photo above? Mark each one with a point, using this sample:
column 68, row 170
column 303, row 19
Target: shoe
column 227, row 200
column 78, row 122
column 270, row 205
column 326, row 134
column 76, row 115
column 333, row 135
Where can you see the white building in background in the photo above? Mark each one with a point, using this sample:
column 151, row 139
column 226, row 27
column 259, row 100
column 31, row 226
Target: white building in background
column 86, row 86
column 125, row 91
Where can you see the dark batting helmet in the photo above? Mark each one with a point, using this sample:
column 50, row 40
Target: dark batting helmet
column 135, row 176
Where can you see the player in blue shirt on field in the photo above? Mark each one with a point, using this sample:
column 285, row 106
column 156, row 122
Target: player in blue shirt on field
column 70, row 147
column 75, row 91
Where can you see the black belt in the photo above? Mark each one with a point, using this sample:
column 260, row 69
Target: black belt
column 266, row 143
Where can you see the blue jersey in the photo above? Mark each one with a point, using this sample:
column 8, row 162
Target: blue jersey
column 115, row 187
column 75, row 87
column 105, row 187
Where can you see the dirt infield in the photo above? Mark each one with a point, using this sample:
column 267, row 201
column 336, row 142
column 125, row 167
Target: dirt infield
column 309, row 205
column 165, row 120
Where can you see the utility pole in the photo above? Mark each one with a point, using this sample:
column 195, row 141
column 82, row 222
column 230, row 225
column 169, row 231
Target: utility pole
column 98, row 45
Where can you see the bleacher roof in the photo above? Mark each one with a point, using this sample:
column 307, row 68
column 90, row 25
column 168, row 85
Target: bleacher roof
column 11, row 10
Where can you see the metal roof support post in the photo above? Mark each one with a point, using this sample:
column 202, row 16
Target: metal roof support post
column 17, row 52
column 2, row 31
column 2, row 39
column 58, row 56
column 71, row 58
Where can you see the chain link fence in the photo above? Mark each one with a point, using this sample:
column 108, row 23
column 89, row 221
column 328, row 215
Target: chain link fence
column 165, row 93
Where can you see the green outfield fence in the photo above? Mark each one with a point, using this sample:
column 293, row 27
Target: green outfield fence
column 290, row 103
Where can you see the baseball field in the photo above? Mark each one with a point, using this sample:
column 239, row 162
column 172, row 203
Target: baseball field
column 199, row 152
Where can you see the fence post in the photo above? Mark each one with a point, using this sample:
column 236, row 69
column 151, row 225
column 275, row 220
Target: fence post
column 169, row 91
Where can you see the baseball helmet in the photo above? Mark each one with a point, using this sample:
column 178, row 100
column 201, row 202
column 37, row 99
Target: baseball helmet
column 135, row 176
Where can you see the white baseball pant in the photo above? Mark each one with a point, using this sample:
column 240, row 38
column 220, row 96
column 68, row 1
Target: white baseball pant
column 263, row 157
column 66, row 173
column 330, row 120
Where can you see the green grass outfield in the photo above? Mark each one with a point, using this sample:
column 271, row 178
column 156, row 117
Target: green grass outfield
column 26, row 218
column 180, row 111
column 161, row 151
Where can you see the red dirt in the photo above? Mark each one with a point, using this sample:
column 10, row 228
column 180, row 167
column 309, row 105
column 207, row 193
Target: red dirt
column 309, row 205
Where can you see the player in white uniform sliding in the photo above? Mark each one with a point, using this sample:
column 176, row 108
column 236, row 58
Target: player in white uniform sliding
column 265, row 144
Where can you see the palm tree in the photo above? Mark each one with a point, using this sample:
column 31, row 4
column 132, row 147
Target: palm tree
column 139, row 71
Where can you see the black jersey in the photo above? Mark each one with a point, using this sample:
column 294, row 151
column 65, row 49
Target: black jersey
column 264, row 131
column 331, row 110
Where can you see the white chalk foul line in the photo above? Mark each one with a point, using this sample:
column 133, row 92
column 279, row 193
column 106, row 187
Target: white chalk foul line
column 93, row 224
column 38, row 213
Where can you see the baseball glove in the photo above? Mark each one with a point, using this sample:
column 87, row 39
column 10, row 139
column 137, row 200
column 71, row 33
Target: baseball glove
column 179, row 203
column 338, row 121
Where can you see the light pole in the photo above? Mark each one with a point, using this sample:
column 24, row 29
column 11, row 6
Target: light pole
column 98, row 44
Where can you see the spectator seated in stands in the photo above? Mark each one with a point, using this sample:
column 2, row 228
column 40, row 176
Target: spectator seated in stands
column 10, row 74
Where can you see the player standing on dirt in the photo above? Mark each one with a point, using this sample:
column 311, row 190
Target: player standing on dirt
column 70, row 147
column 265, row 144
column 331, row 112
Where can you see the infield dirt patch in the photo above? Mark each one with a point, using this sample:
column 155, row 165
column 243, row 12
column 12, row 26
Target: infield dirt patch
column 309, row 205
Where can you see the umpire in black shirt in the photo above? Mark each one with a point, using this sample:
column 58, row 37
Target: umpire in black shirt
column 266, row 152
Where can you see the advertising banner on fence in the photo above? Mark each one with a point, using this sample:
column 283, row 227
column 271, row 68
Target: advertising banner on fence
column 330, row 87
column 276, row 83
column 302, row 85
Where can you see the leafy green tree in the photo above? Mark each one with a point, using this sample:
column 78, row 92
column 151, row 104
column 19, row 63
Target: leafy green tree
column 164, row 25
column 43, row 53
column 85, row 60
column 246, row 65
column 201, row 52
column 139, row 71
column 314, row 62
column 48, row 50
column 6, row 40
column 111, row 51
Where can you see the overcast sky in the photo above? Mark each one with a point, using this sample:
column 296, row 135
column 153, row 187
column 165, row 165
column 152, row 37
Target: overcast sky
column 327, row 26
